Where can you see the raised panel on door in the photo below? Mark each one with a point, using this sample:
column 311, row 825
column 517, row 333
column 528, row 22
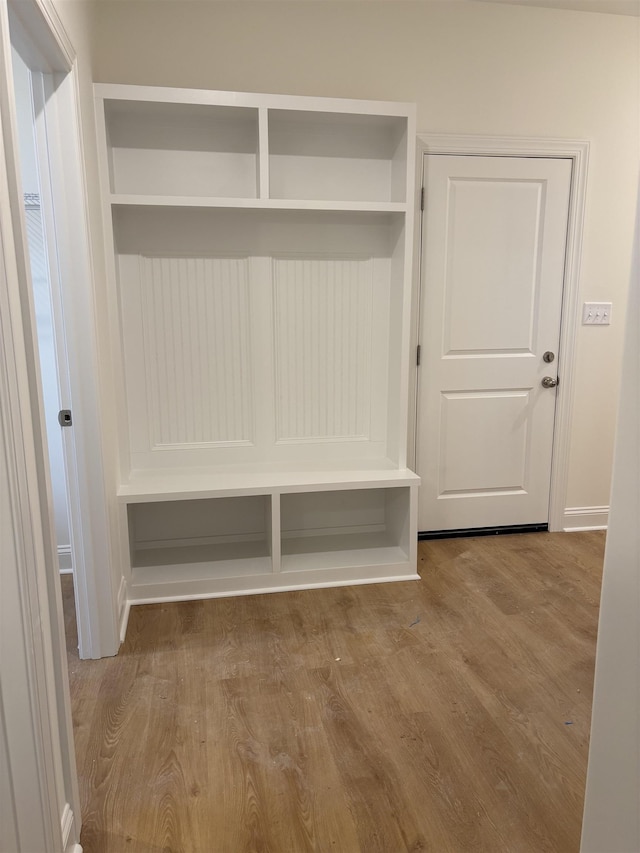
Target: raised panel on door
column 491, row 266
column 494, row 234
column 493, row 460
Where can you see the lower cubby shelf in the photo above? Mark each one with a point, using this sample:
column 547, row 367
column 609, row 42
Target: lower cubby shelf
column 345, row 528
column 291, row 537
column 341, row 552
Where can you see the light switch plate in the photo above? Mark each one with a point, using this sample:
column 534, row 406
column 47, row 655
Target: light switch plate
column 596, row 314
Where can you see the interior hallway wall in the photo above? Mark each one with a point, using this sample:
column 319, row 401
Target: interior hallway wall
column 611, row 815
column 472, row 68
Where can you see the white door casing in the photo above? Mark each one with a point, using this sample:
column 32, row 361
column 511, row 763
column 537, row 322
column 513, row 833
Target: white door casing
column 38, row 762
column 493, row 262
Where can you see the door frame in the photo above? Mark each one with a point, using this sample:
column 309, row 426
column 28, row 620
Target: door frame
column 577, row 151
column 39, row 37
column 40, row 779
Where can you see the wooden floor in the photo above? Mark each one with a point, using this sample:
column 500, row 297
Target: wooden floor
column 447, row 715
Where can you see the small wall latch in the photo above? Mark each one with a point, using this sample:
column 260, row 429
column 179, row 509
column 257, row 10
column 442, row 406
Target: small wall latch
column 64, row 417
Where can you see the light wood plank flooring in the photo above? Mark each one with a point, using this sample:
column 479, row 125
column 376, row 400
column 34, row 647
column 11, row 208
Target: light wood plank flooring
column 447, row 715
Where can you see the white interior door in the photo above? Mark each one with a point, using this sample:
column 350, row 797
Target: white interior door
column 493, row 256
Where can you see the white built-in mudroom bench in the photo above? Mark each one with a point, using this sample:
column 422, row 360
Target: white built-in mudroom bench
column 260, row 262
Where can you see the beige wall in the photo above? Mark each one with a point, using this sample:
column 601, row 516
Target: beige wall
column 476, row 68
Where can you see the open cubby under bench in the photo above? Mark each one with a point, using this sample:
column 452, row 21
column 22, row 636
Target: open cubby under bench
column 202, row 534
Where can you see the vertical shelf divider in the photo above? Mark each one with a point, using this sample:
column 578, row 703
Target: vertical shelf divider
column 276, row 533
column 263, row 152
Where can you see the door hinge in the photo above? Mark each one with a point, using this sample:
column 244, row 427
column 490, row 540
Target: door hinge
column 64, row 417
column 422, row 199
column 418, row 353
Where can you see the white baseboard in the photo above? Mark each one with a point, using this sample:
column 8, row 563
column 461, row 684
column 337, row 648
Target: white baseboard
column 69, row 832
column 124, row 607
column 295, row 586
column 581, row 518
column 124, row 620
column 65, row 562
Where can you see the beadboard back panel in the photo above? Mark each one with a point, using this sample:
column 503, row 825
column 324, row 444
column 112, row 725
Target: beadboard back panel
column 324, row 327
column 196, row 339
column 267, row 358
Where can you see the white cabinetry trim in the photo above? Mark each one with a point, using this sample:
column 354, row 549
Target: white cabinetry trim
column 69, row 831
column 260, row 297
column 29, row 712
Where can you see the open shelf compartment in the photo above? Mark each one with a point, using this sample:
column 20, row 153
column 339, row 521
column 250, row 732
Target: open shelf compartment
column 339, row 156
column 345, row 528
column 170, row 149
column 193, row 540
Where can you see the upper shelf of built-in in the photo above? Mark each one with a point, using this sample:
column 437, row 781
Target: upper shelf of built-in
column 196, row 148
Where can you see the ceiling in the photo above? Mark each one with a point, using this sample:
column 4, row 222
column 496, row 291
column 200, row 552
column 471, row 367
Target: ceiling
column 612, row 7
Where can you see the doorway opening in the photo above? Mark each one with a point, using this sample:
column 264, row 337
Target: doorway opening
column 48, row 315
column 50, row 221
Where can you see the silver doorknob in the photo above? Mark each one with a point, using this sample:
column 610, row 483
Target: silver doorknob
column 549, row 382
